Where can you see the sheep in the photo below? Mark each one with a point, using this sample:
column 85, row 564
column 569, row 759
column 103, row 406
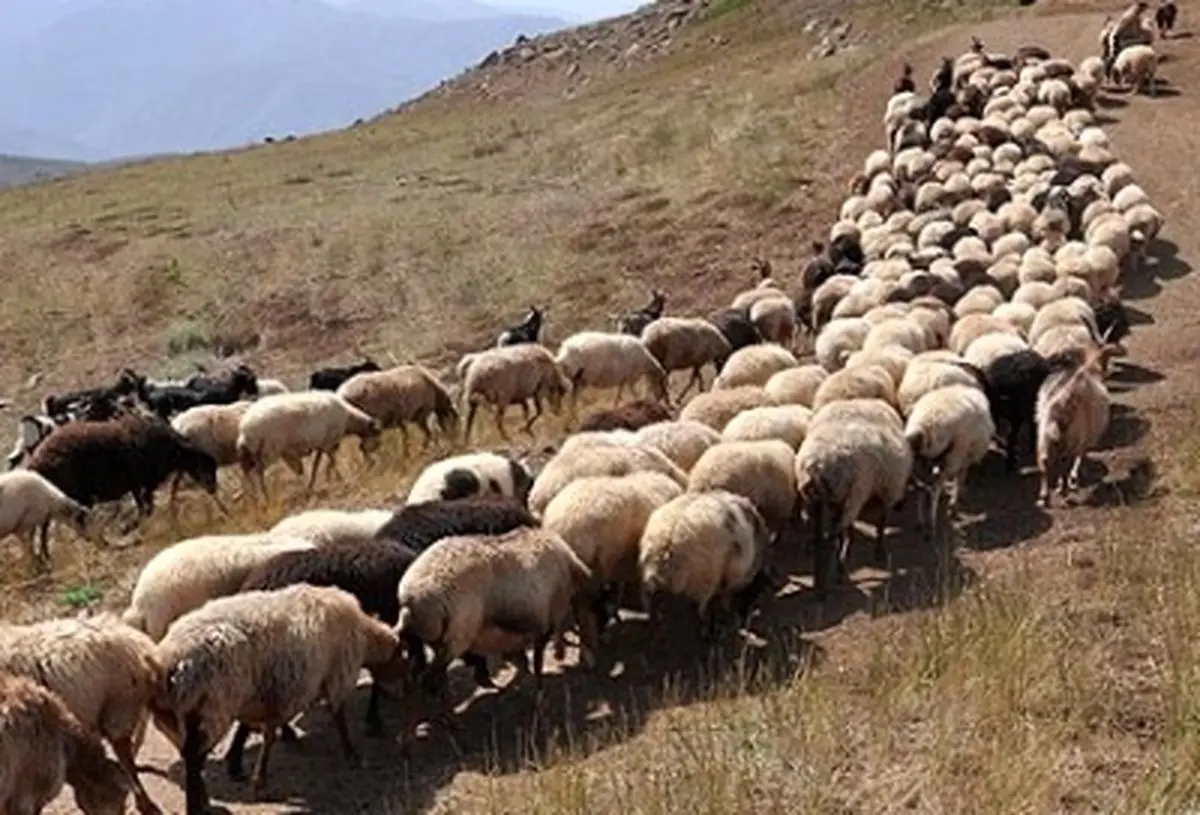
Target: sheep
column 636, row 322
column 1135, row 67
column 133, row 454
column 753, row 366
column 328, row 526
column 330, row 379
column 511, row 376
column 417, row 526
column 370, row 570
column 762, row 471
column 43, row 746
column 864, row 382
column 484, row 595
column 855, row 453
column 189, row 573
column 795, row 386
column 839, row 338
column 735, row 326
column 682, row 441
column 1066, row 311
column 788, row 423
column 406, row 393
column 292, row 425
column 597, row 359
column 213, row 429
column 949, row 429
column 127, row 383
column 1072, row 415
column 613, row 460
column 602, row 519
column 261, row 658
column 680, row 343
column 471, row 474
column 926, row 374
column 28, row 504
column 104, row 672
column 973, row 326
column 630, row 416
column 715, row 408
column 701, row 547
column 526, row 331
column 775, row 319
column 900, row 332
column 270, row 387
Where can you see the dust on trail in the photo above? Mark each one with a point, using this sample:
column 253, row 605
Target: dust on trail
column 1154, row 136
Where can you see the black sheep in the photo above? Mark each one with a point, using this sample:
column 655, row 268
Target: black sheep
column 329, row 379
column 370, row 571
column 845, row 252
column 94, row 462
column 735, row 325
column 1164, row 17
column 1112, row 319
column 56, row 406
column 168, row 400
column 418, row 526
column 905, row 83
column 1011, row 384
column 630, row 416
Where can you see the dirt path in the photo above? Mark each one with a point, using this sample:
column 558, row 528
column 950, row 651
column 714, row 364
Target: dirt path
column 1153, row 136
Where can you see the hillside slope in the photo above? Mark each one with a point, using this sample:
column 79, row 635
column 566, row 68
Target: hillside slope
column 23, row 169
column 1053, row 670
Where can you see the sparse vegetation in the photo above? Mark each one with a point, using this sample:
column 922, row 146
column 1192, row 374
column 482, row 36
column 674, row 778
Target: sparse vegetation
column 1052, row 677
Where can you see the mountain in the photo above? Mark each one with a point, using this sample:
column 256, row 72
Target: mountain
column 109, row 78
column 22, row 169
column 435, row 10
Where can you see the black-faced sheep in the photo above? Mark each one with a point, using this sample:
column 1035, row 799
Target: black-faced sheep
column 329, row 379
column 43, row 746
column 737, row 328
column 631, row 416
column 134, row 454
column 261, row 658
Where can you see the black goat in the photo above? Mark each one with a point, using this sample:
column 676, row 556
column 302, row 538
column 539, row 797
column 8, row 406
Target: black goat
column 735, row 325
column 167, row 400
column 60, row 405
column 635, row 322
column 1011, row 384
column 133, row 454
column 329, row 379
column 1164, row 17
column 905, row 83
column 527, row 330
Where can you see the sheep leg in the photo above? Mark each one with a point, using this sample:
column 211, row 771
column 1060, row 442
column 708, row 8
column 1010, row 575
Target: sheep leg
column 234, row 766
column 258, row 781
column 123, row 749
column 479, row 667
column 374, row 720
column 404, row 448
column 1072, row 480
column 39, row 547
column 331, row 466
column 316, row 465
column 821, row 551
column 696, row 379
column 883, row 556
column 194, row 752
column 470, row 421
column 424, row 425
column 1044, row 485
column 537, row 414
column 338, row 714
column 500, row 421
column 620, row 393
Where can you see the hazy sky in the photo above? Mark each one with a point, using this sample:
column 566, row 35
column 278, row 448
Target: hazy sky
column 589, row 9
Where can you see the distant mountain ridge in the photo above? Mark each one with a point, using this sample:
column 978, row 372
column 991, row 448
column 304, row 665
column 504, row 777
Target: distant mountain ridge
column 98, row 79
column 16, row 170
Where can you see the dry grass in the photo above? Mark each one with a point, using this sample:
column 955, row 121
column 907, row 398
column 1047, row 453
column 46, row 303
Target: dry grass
column 1058, row 680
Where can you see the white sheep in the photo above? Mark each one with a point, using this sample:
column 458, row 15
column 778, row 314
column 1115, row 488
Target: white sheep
column 470, row 474
column 1135, row 67
column 103, row 671
column 290, row 426
column 188, row 574
column 611, row 459
column 927, row 374
column 716, row 407
column 863, row 382
column 838, row 339
column 787, row 423
column 762, row 471
column 602, row 360
column 949, row 429
column 261, row 658
column 28, row 505
column 323, row 527
column 753, row 365
column 213, row 429
column 795, row 386
column 855, row 452
column 701, row 547
column 43, row 746
column 512, row 375
column 682, row 441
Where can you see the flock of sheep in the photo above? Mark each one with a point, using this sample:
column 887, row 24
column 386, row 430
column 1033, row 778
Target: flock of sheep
column 966, row 296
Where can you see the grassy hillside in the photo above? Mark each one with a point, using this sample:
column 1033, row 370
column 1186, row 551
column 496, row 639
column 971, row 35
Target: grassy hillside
column 1049, row 678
